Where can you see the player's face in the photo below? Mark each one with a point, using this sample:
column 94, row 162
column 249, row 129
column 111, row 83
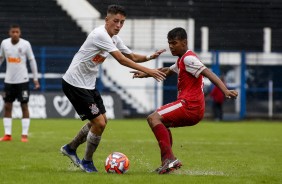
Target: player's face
column 177, row 47
column 114, row 23
column 15, row 34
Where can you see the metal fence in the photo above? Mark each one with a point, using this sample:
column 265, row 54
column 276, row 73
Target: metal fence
column 259, row 82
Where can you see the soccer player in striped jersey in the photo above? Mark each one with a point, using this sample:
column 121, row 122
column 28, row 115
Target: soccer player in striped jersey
column 17, row 51
column 189, row 107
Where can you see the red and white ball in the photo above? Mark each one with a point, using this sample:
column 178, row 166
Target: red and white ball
column 117, row 162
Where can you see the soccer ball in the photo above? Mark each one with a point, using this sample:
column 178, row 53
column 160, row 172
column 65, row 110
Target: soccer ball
column 117, row 162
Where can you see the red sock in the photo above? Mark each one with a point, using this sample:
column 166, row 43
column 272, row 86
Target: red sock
column 163, row 138
column 170, row 137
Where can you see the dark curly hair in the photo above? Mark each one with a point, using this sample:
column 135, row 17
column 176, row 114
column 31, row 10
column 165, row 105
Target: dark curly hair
column 177, row 33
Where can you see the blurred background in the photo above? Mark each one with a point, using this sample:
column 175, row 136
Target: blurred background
column 240, row 40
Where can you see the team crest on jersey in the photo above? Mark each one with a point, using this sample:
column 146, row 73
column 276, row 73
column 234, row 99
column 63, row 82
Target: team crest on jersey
column 20, row 50
column 94, row 109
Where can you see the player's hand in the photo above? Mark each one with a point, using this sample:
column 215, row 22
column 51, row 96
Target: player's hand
column 36, row 84
column 157, row 74
column 231, row 94
column 157, row 54
column 139, row 74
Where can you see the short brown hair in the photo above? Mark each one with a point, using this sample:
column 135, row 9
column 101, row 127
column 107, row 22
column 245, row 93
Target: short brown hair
column 116, row 9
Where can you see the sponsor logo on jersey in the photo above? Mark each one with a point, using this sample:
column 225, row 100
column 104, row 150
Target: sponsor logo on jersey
column 98, row 58
column 94, row 109
column 14, row 60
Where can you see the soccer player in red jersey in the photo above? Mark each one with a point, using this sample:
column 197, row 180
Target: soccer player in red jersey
column 189, row 107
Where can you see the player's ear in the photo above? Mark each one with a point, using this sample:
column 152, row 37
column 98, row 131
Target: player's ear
column 184, row 42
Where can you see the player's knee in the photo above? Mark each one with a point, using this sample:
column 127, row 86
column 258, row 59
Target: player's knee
column 100, row 122
column 105, row 118
column 102, row 126
column 8, row 107
column 150, row 120
column 24, row 106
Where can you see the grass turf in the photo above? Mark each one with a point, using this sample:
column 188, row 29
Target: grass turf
column 237, row 152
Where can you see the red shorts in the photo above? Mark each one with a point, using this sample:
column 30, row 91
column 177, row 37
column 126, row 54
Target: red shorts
column 182, row 113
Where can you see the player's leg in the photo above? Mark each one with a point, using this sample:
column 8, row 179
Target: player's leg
column 8, row 109
column 170, row 115
column 162, row 135
column 7, row 122
column 170, row 136
column 9, row 98
column 69, row 150
column 80, row 138
column 25, row 122
column 98, row 125
column 89, row 105
column 23, row 97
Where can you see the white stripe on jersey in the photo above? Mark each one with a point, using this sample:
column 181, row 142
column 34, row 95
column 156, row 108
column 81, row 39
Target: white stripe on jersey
column 169, row 109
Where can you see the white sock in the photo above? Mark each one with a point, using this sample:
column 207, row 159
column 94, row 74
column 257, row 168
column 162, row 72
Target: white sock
column 25, row 126
column 7, row 126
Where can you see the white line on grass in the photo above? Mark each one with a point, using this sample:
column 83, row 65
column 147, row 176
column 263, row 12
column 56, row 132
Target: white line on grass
column 199, row 173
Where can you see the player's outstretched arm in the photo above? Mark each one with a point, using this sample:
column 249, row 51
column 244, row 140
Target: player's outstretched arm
column 142, row 58
column 216, row 81
column 157, row 74
column 139, row 74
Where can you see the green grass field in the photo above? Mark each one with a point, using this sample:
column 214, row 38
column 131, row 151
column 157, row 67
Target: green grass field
column 225, row 152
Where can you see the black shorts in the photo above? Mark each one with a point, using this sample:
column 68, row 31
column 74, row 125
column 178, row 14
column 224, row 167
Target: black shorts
column 87, row 103
column 16, row 91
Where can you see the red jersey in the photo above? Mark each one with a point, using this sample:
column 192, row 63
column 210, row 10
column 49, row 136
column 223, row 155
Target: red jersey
column 189, row 107
column 190, row 82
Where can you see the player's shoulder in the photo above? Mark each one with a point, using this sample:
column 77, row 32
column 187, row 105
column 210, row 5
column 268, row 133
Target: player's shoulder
column 100, row 30
column 99, row 34
column 191, row 53
column 7, row 40
column 190, row 56
column 24, row 41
